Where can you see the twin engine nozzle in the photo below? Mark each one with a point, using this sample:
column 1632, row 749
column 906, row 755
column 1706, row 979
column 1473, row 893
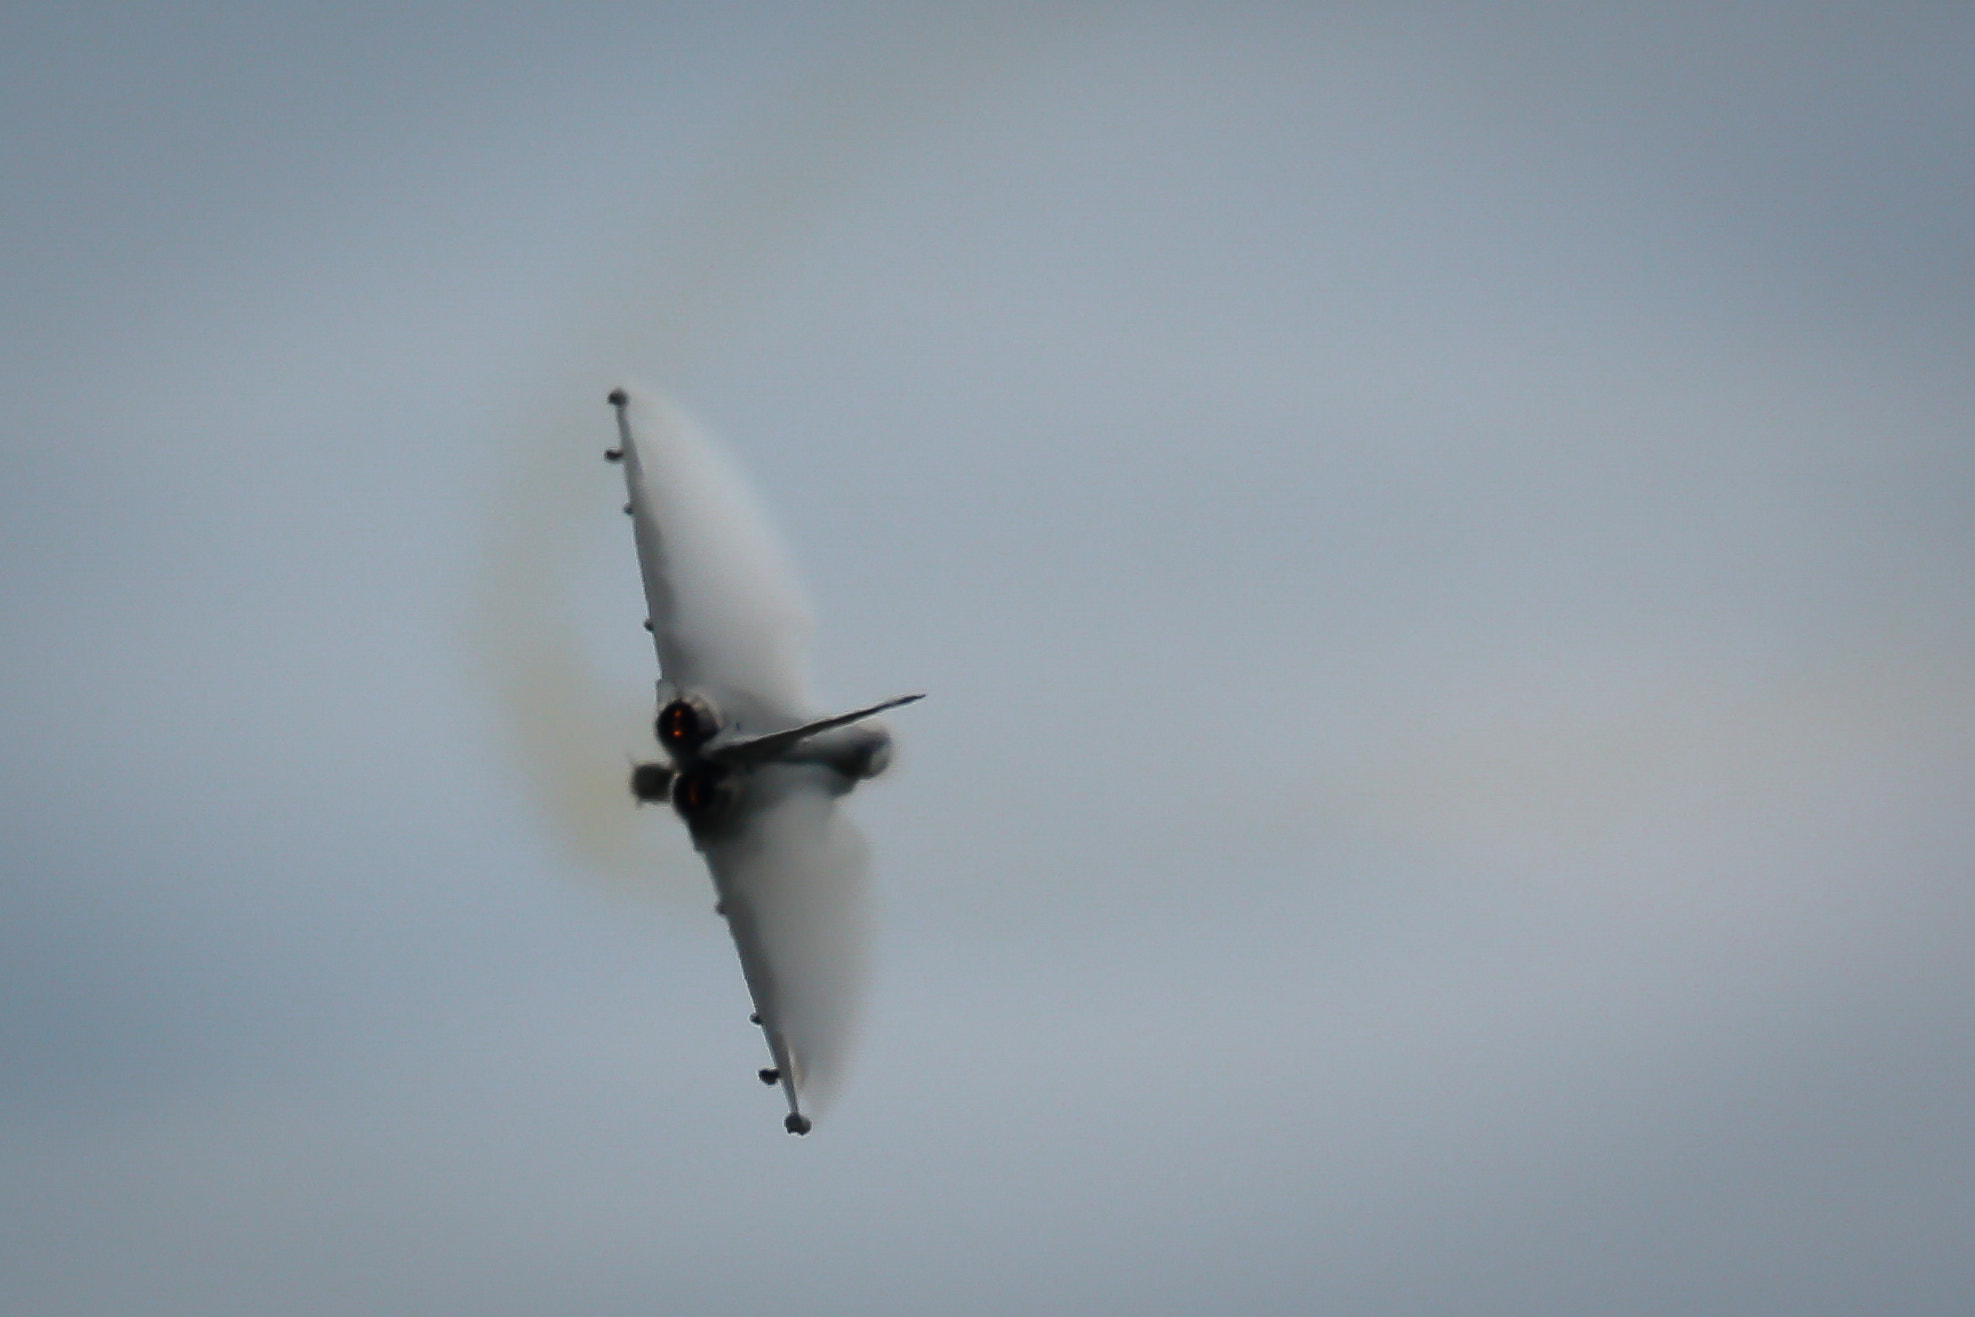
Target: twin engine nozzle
column 700, row 790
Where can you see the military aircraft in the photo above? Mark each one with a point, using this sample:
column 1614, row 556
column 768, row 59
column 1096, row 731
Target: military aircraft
column 748, row 765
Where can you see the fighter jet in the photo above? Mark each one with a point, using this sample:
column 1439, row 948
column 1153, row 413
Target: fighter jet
column 749, row 767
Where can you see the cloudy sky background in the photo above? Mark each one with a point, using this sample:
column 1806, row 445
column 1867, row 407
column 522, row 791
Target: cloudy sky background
column 1441, row 541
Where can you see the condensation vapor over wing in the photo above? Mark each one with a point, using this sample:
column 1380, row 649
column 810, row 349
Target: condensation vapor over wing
column 725, row 607
column 795, row 883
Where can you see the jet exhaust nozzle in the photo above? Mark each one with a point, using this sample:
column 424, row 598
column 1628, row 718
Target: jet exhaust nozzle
column 687, row 723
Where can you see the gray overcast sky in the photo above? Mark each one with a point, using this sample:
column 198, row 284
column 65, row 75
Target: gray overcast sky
column 1440, row 540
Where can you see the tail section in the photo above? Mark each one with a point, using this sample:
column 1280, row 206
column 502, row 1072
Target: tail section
column 772, row 745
